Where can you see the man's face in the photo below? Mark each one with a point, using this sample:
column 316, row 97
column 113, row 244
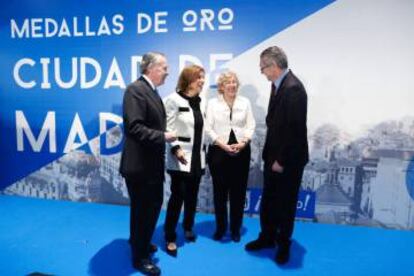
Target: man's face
column 269, row 69
column 159, row 72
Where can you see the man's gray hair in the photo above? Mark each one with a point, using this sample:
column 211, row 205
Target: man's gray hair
column 275, row 55
column 149, row 59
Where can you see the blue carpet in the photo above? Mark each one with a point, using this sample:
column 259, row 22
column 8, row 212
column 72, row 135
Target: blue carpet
column 67, row 238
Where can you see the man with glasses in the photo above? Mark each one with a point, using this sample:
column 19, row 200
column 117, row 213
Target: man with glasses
column 142, row 161
column 285, row 154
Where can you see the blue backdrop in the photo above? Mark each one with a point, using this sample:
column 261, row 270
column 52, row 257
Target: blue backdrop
column 96, row 41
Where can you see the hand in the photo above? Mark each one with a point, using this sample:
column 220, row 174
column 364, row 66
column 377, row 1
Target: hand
column 229, row 149
column 170, row 136
column 276, row 167
column 239, row 146
column 181, row 156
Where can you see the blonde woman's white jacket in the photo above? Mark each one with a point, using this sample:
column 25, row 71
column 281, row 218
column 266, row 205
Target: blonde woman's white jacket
column 218, row 123
column 180, row 118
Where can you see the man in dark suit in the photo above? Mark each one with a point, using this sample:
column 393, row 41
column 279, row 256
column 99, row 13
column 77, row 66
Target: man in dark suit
column 285, row 154
column 142, row 161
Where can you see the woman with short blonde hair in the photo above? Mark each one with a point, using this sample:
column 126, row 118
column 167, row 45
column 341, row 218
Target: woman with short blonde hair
column 225, row 77
column 230, row 125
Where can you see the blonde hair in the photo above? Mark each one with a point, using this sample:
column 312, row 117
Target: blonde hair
column 224, row 78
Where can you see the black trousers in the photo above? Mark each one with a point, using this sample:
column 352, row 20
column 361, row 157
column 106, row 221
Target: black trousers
column 146, row 195
column 230, row 175
column 278, row 204
column 184, row 189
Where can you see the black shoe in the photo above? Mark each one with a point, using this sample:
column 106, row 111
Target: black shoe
column 259, row 244
column 147, row 267
column 190, row 236
column 218, row 236
column 153, row 248
column 171, row 252
column 282, row 255
column 235, row 237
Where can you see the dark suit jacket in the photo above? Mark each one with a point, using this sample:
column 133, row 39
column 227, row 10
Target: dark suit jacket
column 144, row 127
column 286, row 138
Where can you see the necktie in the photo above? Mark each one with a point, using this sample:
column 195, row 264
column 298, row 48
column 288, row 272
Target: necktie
column 273, row 90
column 157, row 95
column 272, row 96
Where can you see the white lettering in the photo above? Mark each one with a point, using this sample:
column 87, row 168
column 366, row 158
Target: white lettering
column 207, row 16
column 16, row 73
column 98, row 72
column 159, row 23
column 144, row 23
column 76, row 32
column 58, row 78
column 103, row 27
column 48, row 129
column 64, row 29
column 118, row 26
column 45, row 72
column 75, row 131
column 36, row 27
column 135, row 61
column 24, row 31
column 114, row 71
column 51, row 27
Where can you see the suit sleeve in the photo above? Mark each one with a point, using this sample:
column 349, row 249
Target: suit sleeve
column 295, row 128
column 136, row 121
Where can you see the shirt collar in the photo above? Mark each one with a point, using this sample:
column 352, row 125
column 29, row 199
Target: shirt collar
column 280, row 78
column 149, row 81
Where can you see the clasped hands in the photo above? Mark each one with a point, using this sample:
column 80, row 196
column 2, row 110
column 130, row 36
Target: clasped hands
column 233, row 149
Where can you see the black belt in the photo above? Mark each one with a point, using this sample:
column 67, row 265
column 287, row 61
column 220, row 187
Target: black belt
column 184, row 139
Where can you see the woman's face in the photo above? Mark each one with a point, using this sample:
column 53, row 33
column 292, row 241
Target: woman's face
column 230, row 87
column 197, row 85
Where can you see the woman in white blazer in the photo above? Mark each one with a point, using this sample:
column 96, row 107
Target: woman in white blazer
column 230, row 125
column 185, row 156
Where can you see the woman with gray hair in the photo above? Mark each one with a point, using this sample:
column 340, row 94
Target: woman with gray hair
column 230, row 125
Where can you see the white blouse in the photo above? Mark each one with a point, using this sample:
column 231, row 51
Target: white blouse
column 219, row 123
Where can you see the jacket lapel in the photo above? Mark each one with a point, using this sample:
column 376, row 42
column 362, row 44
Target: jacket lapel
column 274, row 100
column 153, row 95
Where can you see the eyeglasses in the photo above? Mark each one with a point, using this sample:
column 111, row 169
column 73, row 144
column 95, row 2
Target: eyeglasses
column 264, row 67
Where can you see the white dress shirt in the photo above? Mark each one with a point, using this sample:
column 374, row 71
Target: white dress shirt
column 149, row 81
column 219, row 124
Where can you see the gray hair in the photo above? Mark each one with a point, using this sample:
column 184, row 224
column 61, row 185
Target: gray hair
column 275, row 55
column 149, row 59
